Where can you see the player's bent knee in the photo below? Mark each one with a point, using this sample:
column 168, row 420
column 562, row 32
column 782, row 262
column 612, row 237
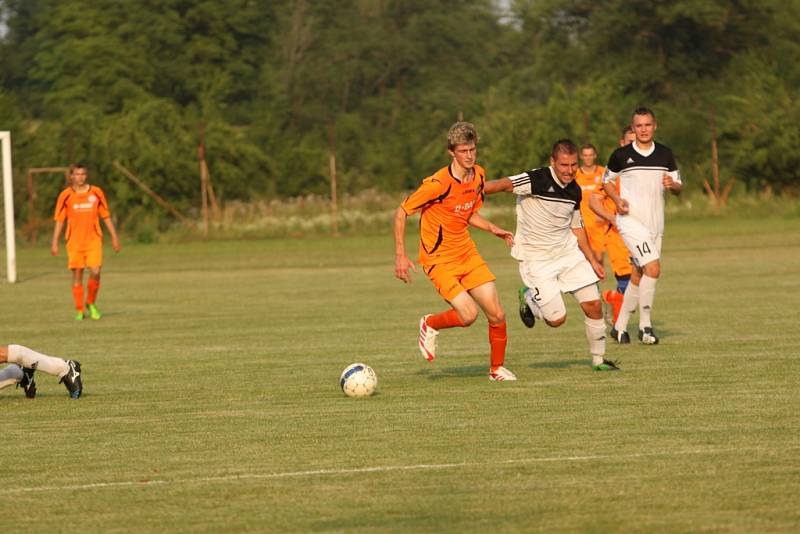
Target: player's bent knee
column 593, row 309
column 468, row 316
column 558, row 321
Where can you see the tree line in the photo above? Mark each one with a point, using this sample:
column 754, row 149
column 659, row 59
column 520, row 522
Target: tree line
column 274, row 87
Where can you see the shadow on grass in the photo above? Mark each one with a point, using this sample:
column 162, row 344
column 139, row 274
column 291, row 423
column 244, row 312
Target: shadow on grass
column 453, row 372
column 559, row 364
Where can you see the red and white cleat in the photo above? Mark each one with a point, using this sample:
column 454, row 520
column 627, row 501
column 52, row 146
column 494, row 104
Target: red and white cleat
column 427, row 339
column 500, row 374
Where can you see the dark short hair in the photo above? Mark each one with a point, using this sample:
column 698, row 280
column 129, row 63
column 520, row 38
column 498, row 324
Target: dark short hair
column 643, row 111
column 563, row 146
column 625, row 131
column 76, row 166
column 588, row 146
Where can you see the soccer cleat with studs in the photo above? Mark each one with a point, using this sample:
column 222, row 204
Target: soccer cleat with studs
column 94, row 313
column 525, row 313
column 427, row 339
column 28, row 384
column 647, row 336
column 72, row 380
column 501, row 374
column 606, row 365
column 620, row 337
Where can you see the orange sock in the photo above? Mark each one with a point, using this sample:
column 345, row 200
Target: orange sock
column 447, row 319
column 94, row 287
column 77, row 296
column 498, row 338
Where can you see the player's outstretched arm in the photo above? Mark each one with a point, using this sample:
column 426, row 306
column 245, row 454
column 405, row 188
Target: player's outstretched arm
column 484, row 224
column 497, row 186
column 56, row 236
column 401, row 262
column 115, row 244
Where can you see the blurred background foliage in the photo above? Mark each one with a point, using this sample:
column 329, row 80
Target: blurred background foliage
column 277, row 86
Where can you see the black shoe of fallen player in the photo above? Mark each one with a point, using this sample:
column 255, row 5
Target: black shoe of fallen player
column 28, row 384
column 73, row 379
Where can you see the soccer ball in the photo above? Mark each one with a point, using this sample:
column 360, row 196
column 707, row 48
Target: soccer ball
column 358, row 380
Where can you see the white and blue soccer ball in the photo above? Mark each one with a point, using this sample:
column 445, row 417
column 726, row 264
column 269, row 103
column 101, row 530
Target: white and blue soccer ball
column 358, row 380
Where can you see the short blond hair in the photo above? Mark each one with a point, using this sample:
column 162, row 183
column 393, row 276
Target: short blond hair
column 461, row 133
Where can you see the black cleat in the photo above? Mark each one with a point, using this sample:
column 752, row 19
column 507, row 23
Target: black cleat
column 525, row 313
column 620, row 337
column 647, row 336
column 72, row 380
column 28, row 384
column 607, row 365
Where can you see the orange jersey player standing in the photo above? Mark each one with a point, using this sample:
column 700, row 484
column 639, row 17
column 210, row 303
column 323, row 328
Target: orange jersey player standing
column 448, row 203
column 81, row 206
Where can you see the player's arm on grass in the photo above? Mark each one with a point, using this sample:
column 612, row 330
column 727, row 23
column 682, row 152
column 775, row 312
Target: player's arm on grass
column 401, row 262
column 596, row 205
column 115, row 244
column 496, row 186
column 479, row 222
column 583, row 244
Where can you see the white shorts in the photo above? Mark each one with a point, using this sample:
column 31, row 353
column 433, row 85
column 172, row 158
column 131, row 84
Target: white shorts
column 549, row 278
column 644, row 245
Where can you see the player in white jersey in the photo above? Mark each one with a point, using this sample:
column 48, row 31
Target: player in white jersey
column 644, row 169
column 552, row 248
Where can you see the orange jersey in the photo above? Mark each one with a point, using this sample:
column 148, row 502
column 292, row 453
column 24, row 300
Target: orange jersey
column 446, row 205
column 83, row 212
column 589, row 183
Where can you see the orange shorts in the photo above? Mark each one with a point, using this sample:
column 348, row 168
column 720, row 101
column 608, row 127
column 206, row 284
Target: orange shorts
column 82, row 256
column 450, row 279
column 607, row 239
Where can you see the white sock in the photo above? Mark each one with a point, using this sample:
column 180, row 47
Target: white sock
column 537, row 311
column 596, row 335
column 25, row 357
column 647, row 293
column 630, row 301
column 10, row 375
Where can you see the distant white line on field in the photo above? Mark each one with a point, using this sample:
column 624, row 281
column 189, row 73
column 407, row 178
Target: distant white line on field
column 350, row 471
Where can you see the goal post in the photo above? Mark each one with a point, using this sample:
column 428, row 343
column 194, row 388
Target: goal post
column 8, row 205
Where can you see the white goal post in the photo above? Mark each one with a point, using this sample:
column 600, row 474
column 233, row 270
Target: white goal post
column 8, row 203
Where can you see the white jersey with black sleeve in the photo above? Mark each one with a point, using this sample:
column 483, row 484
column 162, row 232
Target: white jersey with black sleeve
column 547, row 211
column 640, row 174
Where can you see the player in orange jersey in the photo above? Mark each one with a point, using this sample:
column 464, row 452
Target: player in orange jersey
column 82, row 206
column 605, row 216
column 24, row 362
column 448, row 203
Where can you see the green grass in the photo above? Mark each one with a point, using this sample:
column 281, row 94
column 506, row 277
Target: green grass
column 212, row 400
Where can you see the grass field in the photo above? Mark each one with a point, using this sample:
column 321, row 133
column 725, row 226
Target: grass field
column 212, row 403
